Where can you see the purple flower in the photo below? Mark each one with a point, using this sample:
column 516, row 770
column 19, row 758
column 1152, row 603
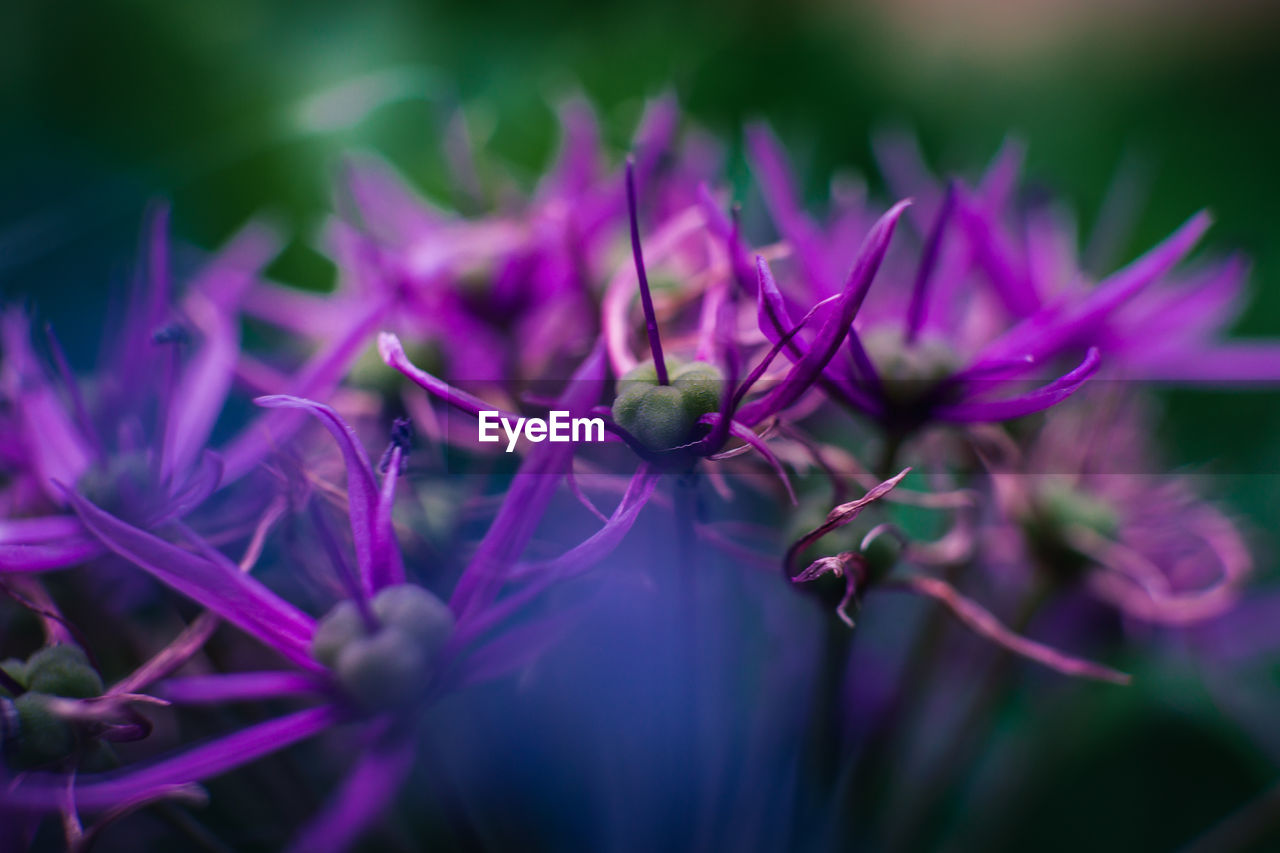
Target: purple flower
column 1081, row 509
column 1152, row 320
column 507, row 295
column 133, row 435
column 941, row 339
column 381, row 652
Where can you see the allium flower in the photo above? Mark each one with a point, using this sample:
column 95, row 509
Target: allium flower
column 1083, row 507
column 870, row 569
column 929, row 345
column 383, row 651
column 1156, row 319
column 133, row 436
column 503, row 296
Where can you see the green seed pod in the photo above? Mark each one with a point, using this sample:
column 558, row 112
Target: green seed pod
column 385, row 670
column 63, row 670
column 15, row 669
column 340, row 626
column 655, row 415
column 43, row 737
column 416, row 612
column 910, row 372
column 702, row 386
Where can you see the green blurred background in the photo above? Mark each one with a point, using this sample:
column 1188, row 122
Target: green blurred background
column 103, row 105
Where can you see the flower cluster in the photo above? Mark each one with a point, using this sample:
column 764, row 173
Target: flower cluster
column 934, row 396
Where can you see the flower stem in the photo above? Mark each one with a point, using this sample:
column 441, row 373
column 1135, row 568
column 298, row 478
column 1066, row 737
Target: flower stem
column 646, row 298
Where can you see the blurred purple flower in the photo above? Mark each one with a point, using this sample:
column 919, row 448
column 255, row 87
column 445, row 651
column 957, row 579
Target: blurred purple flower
column 481, row 638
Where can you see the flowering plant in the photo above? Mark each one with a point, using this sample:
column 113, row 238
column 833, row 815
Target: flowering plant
column 898, row 398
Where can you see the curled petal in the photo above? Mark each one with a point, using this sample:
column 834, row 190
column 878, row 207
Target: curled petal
column 393, row 354
column 839, row 517
column 757, row 444
column 1025, row 404
column 362, row 490
column 852, row 567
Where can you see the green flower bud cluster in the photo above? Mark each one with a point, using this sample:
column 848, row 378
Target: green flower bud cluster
column 1056, row 510
column 391, row 665
column 909, row 373
column 34, row 735
column 664, row 416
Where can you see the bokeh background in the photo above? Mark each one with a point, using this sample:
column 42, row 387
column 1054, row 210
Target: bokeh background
column 236, row 108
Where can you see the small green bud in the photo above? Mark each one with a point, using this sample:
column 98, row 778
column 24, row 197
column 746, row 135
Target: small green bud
column 63, row 670
column 655, row 415
column 43, row 737
column 909, row 372
column 15, row 669
column 386, row 669
column 416, row 612
column 663, row 416
column 701, row 385
column 1057, row 509
column 340, row 626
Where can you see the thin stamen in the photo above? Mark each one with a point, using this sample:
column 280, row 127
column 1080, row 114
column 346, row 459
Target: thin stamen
column 646, row 300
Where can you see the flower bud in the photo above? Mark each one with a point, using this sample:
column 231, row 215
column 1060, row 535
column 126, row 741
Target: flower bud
column 654, row 414
column 415, row 611
column 388, row 666
column 663, row 416
column 15, row 669
column 63, row 670
column 42, row 737
column 702, row 385
column 909, row 373
column 383, row 670
column 339, row 627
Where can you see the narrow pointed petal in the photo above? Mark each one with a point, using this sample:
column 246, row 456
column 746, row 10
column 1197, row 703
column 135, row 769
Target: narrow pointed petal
column 368, row 791
column 809, row 368
column 95, row 792
column 316, row 380
column 526, row 499
column 219, row 586
column 1025, row 404
column 237, row 687
column 388, row 564
column 362, row 489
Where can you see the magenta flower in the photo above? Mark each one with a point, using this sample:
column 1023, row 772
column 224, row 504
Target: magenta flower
column 134, row 435
column 934, row 342
column 386, row 649
column 506, row 295
column 1082, row 509
column 1156, row 319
